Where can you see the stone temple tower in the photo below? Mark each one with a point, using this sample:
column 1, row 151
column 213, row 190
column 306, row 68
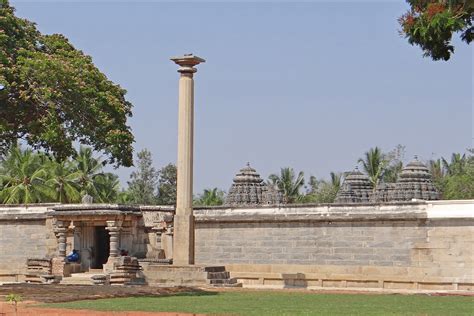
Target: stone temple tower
column 249, row 189
column 356, row 188
column 414, row 182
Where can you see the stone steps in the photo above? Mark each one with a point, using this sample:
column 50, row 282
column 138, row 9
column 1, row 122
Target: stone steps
column 223, row 281
column 85, row 278
column 219, row 277
column 76, row 282
column 215, row 269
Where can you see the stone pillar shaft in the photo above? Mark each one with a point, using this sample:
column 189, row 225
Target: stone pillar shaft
column 61, row 234
column 62, row 243
column 114, row 231
column 183, row 244
column 184, row 194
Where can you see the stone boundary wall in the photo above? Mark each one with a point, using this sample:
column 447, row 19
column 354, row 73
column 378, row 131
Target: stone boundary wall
column 414, row 246
column 26, row 231
column 22, row 237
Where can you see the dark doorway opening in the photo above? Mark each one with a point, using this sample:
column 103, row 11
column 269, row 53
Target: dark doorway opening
column 101, row 247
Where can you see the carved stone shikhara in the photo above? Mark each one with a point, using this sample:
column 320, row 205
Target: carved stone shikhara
column 249, row 189
column 414, row 182
column 355, row 188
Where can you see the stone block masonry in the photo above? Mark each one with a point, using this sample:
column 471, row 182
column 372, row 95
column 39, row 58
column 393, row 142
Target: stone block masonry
column 339, row 243
column 21, row 239
column 418, row 246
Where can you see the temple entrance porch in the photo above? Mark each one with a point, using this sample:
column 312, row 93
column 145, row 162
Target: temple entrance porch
column 97, row 232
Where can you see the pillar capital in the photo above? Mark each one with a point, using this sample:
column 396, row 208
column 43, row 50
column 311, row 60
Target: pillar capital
column 187, row 63
column 114, row 225
column 60, row 227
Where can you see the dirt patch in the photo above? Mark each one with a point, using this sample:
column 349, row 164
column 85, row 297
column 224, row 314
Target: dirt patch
column 33, row 294
column 49, row 293
column 28, row 309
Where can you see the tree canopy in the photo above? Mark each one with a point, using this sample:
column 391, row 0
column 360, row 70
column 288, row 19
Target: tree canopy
column 210, row 197
column 51, row 95
column 143, row 181
column 289, row 183
column 167, row 181
column 31, row 177
column 431, row 24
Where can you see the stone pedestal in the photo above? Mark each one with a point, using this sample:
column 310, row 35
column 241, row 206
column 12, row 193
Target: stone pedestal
column 183, row 240
column 58, row 267
column 183, row 244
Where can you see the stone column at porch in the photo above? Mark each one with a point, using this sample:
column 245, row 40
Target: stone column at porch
column 159, row 252
column 58, row 263
column 60, row 231
column 114, row 227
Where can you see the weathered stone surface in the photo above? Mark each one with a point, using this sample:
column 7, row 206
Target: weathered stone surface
column 249, row 189
column 421, row 251
column 410, row 245
column 356, row 188
column 22, row 239
column 414, row 183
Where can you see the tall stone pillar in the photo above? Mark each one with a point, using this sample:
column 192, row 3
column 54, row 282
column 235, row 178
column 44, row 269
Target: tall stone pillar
column 183, row 243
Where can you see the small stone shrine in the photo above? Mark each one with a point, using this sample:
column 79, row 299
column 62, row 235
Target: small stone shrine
column 414, row 182
column 356, row 188
column 249, row 189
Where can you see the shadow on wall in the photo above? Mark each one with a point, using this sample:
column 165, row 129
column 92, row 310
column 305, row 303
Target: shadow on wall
column 294, row 280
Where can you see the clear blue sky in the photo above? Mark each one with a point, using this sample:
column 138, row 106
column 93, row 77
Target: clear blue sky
column 309, row 85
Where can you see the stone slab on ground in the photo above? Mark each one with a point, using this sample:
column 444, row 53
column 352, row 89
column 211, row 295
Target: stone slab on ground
column 177, row 275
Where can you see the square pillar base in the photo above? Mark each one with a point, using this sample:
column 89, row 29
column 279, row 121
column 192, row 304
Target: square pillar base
column 183, row 240
column 59, row 267
column 110, row 265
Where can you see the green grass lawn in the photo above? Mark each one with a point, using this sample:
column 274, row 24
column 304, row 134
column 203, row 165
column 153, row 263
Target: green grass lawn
column 285, row 303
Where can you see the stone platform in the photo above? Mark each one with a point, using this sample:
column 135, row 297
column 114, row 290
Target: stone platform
column 174, row 275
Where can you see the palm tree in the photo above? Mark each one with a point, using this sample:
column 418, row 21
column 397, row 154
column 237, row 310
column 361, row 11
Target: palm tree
column 438, row 174
column 336, row 180
column 108, row 186
column 374, row 165
column 211, row 197
column 89, row 169
column 288, row 183
column 436, row 169
column 457, row 164
column 23, row 176
column 64, row 181
column 124, row 197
